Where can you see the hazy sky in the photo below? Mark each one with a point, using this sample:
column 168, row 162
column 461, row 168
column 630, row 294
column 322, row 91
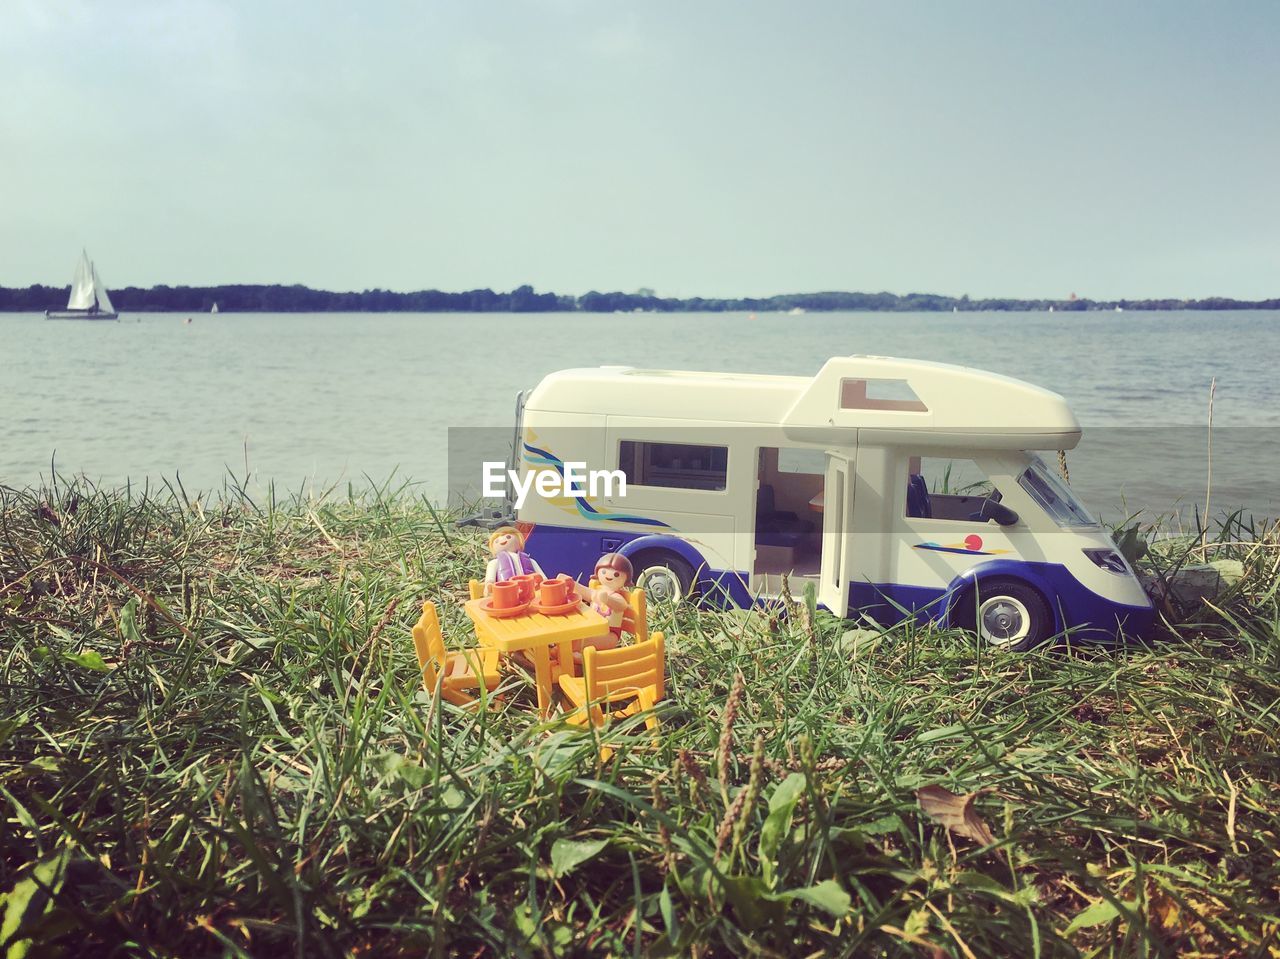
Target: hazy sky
column 706, row 148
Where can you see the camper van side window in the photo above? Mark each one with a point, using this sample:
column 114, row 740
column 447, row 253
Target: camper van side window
column 674, row 465
column 799, row 460
column 940, row 487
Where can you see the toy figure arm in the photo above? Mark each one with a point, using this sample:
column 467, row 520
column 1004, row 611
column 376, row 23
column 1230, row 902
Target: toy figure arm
column 614, row 601
column 490, row 574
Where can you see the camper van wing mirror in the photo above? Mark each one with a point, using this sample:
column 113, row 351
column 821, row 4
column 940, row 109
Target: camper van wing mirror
column 992, row 510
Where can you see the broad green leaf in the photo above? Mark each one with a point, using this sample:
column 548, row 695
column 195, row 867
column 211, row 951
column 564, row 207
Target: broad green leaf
column 42, row 764
column 529, row 924
column 942, row 732
column 668, row 911
column 267, row 694
column 697, row 882
column 89, row 659
column 415, row 777
column 882, row 826
column 826, row 895
column 29, row 899
column 981, row 882
column 397, row 766
column 1102, row 911
column 561, row 936
column 751, row 899
column 129, row 621
column 782, row 805
column 568, row 854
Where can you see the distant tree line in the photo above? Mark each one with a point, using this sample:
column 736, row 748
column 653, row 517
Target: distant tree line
column 244, row 298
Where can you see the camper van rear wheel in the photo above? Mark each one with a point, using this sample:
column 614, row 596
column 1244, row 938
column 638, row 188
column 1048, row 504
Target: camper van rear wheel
column 1007, row 614
column 664, row 578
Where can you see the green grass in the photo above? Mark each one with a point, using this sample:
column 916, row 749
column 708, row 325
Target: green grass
column 213, row 740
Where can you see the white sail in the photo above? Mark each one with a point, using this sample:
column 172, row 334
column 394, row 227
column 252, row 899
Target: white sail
column 101, row 296
column 215, row 308
column 82, row 285
column 89, row 299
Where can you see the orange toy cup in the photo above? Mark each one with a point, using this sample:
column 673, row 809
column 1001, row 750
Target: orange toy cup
column 506, row 595
column 553, row 592
column 526, row 583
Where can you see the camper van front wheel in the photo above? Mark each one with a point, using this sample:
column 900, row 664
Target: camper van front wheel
column 664, row 579
column 1008, row 615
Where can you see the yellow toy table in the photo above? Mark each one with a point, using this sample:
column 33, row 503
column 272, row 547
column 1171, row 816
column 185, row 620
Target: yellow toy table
column 535, row 634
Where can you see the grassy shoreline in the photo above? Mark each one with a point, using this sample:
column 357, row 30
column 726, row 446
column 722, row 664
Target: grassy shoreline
column 213, row 740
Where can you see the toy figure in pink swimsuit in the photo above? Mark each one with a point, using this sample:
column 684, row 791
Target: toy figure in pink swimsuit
column 610, row 598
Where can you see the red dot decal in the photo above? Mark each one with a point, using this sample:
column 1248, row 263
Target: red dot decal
column 973, row 541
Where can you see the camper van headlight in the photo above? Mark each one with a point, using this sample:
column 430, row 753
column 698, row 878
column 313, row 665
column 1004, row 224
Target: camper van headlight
column 1108, row 559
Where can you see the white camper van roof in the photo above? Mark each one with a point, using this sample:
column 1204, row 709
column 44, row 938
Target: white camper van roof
column 881, row 395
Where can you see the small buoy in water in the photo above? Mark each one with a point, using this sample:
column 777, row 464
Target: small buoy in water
column 188, row 319
column 751, row 316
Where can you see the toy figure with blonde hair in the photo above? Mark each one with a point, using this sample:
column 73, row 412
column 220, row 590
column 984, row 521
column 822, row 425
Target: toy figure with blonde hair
column 506, row 544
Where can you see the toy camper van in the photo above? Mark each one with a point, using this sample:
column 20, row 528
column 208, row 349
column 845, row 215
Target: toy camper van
column 896, row 487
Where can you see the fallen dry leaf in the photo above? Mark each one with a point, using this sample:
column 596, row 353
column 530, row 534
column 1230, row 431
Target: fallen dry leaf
column 954, row 812
column 1165, row 910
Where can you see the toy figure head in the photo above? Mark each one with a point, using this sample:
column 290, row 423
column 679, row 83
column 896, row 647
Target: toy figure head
column 613, row 571
column 506, row 539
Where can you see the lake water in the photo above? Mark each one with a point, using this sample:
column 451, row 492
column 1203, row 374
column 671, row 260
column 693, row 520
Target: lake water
column 312, row 399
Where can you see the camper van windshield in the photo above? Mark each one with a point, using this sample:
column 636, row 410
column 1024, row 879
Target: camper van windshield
column 1054, row 496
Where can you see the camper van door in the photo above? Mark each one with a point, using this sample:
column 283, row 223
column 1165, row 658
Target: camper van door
column 837, row 510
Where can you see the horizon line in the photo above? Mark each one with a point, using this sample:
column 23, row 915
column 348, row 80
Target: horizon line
column 647, row 293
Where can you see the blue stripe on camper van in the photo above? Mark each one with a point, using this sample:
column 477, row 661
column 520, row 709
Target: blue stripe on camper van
column 585, row 508
column 726, row 587
column 890, row 603
column 571, row 549
column 1075, row 607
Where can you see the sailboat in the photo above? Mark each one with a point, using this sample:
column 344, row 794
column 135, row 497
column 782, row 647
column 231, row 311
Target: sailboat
column 215, row 307
column 89, row 299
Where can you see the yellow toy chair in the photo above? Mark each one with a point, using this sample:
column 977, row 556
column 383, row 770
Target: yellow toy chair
column 635, row 620
column 463, row 672
column 610, row 676
column 476, row 588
